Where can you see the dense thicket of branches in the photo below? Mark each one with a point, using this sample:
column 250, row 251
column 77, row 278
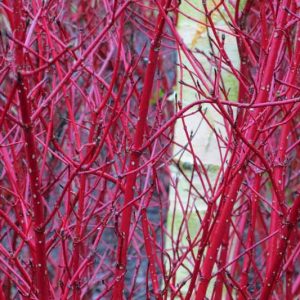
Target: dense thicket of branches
column 86, row 138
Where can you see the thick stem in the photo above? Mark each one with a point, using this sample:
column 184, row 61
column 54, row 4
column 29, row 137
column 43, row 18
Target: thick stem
column 135, row 156
column 40, row 260
column 36, row 197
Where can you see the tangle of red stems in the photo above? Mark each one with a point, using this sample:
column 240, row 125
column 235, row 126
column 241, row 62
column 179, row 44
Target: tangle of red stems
column 87, row 139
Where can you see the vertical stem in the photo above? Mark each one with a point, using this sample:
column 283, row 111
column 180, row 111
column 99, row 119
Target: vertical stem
column 135, row 155
column 150, row 250
column 40, row 260
column 250, row 238
column 36, row 201
column 273, row 273
column 283, row 142
column 78, row 235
